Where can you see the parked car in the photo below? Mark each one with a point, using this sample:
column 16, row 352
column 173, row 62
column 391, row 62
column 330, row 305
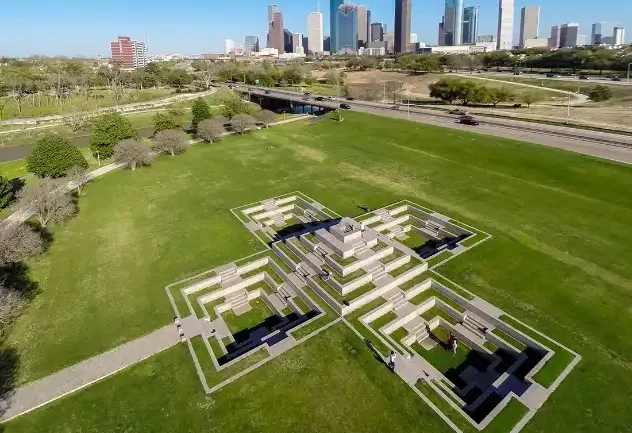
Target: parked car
column 584, row 77
column 458, row 111
column 267, row 92
column 345, row 106
column 468, row 120
column 350, row 98
column 319, row 98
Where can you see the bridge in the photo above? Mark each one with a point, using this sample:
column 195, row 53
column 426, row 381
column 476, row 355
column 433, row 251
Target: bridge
column 274, row 99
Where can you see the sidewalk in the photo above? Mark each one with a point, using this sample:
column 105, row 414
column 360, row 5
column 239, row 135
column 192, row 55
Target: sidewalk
column 78, row 376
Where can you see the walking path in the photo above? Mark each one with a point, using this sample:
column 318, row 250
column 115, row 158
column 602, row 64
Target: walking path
column 78, row 376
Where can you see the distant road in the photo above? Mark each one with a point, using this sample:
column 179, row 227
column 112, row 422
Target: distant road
column 605, row 145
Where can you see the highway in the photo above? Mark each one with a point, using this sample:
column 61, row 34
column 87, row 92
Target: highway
column 592, row 78
column 609, row 146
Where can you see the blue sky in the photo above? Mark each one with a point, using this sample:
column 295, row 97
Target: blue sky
column 84, row 27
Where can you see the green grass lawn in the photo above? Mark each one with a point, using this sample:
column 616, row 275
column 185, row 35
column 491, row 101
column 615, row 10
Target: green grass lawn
column 259, row 312
column 332, row 383
column 559, row 258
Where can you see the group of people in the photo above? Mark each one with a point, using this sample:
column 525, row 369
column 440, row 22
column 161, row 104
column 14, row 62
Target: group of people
column 451, row 343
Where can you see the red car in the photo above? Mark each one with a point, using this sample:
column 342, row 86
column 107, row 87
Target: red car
column 469, row 120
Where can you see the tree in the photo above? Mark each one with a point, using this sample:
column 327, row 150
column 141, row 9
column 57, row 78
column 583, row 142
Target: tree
column 234, row 105
column 165, row 121
column 7, row 192
column 600, row 93
column 530, row 98
column 17, row 242
column 394, row 88
column 47, row 200
column 107, row 130
column 266, row 117
column 498, row 95
column 79, row 176
column 210, row 130
column 445, row 89
column 53, row 156
column 170, row 141
column 242, row 123
column 132, row 153
column 200, row 111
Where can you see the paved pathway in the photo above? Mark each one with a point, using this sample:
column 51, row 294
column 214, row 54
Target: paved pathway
column 78, row 376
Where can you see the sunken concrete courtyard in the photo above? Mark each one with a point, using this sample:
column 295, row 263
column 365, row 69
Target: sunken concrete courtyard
column 377, row 274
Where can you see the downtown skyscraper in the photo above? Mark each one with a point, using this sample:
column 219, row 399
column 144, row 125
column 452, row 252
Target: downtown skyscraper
column 504, row 40
column 453, row 22
column 529, row 23
column 364, row 26
column 315, row 33
column 275, row 29
column 470, row 24
column 403, row 10
column 346, row 26
column 333, row 31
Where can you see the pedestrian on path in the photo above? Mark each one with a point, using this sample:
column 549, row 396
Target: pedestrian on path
column 454, row 345
column 391, row 361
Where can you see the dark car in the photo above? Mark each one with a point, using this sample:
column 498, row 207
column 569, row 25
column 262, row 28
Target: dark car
column 350, row 98
column 584, row 77
column 305, row 98
column 468, row 120
column 250, row 89
column 307, row 93
column 230, row 86
column 396, row 107
column 552, row 75
column 319, row 98
column 267, row 92
column 345, row 106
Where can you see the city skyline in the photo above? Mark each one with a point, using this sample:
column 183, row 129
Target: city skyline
column 84, row 37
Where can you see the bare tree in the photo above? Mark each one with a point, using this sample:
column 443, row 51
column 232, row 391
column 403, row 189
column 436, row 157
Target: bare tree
column 170, row 141
column 18, row 241
column 242, row 123
column 11, row 303
column 47, row 200
column 78, row 176
column 210, row 130
column 132, row 153
column 266, row 117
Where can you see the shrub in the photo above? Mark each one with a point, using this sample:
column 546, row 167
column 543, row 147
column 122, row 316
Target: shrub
column 132, row 153
column 200, row 111
column 170, row 141
column 53, row 156
column 210, row 130
column 600, row 93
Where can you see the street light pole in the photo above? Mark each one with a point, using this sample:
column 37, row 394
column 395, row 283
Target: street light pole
column 629, row 64
column 568, row 112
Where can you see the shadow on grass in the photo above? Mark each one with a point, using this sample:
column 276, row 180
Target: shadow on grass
column 15, row 277
column 9, row 362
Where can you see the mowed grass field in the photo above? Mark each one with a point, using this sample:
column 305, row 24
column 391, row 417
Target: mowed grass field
column 559, row 260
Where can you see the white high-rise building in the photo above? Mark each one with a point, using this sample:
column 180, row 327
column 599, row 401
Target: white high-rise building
column 297, row 43
column 315, row 32
column 229, row 44
column 505, row 24
column 413, row 38
column 618, row 36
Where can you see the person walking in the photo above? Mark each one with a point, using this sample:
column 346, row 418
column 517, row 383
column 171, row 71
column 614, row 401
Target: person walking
column 391, row 361
column 454, row 345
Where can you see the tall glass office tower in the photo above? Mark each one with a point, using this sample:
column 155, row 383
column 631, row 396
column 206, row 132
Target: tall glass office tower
column 346, row 26
column 470, row 24
column 333, row 31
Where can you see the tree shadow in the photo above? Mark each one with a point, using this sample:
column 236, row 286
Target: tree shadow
column 9, row 363
column 15, row 276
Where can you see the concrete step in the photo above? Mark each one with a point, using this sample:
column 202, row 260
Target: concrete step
column 360, row 249
column 239, row 302
column 358, row 244
column 473, row 329
column 476, row 321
